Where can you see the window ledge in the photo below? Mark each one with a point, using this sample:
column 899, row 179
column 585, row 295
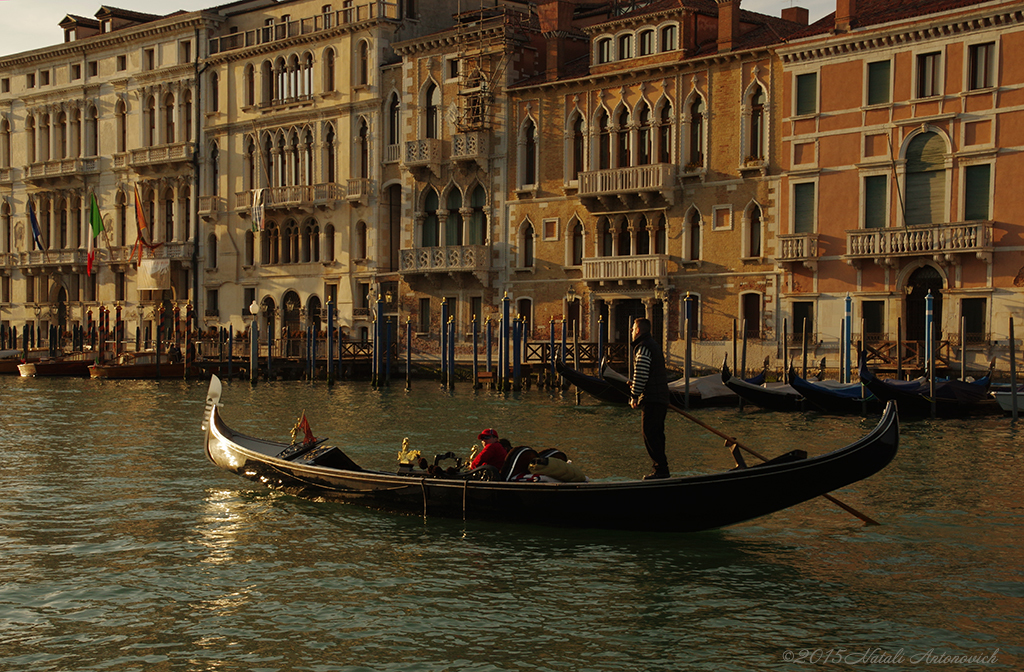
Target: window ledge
column 526, row 269
column 981, row 91
column 804, row 117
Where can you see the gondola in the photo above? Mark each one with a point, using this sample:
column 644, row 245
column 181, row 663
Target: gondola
column 145, row 365
column 834, row 397
column 778, row 398
column 680, row 504
column 953, row 398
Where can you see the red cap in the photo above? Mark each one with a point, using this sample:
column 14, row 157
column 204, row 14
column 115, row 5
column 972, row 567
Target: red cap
column 488, row 434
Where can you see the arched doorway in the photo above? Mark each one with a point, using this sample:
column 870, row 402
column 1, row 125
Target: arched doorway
column 268, row 310
column 920, row 282
column 292, row 323
column 62, row 310
column 315, row 313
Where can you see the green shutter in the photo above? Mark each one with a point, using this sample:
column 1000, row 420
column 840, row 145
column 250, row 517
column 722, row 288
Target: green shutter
column 976, row 192
column 878, row 82
column 876, row 188
column 807, row 93
column 926, row 195
column 803, row 207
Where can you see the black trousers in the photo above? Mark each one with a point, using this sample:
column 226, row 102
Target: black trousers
column 652, row 421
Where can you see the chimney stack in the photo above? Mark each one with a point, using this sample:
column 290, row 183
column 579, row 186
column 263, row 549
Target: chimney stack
column 728, row 24
column 555, row 18
column 796, row 15
column 846, row 13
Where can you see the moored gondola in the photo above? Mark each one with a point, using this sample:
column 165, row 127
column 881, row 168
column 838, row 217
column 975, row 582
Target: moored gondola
column 834, row 397
column 952, row 399
column 778, row 398
column 695, row 502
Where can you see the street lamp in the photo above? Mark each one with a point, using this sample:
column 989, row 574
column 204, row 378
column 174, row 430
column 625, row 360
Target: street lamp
column 254, row 310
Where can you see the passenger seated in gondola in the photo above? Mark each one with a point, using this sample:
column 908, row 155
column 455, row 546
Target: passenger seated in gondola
column 493, row 453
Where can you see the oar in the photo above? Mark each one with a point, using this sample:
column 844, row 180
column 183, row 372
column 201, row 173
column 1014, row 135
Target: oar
column 731, row 441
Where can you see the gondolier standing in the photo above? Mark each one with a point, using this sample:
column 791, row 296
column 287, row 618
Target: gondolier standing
column 649, row 391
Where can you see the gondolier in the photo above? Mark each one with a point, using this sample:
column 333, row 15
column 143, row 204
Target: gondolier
column 649, row 392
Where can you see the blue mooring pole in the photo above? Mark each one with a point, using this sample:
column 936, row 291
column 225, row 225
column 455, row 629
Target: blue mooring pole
column 506, row 316
column 476, row 357
column 408, row 353
column 330, row 343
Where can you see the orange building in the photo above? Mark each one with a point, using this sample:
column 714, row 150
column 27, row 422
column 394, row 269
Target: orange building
column 901, row 132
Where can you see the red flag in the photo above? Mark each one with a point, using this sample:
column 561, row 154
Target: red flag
column 304, row 426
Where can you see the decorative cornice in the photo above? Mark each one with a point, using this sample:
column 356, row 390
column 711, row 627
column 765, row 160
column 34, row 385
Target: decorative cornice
column 870, row 38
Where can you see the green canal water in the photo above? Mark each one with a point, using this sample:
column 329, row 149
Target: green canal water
column 122, row 548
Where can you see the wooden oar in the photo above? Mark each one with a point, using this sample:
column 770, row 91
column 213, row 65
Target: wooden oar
column 731, row 441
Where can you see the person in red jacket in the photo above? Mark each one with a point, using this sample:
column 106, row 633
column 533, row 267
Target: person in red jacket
column 493, row 452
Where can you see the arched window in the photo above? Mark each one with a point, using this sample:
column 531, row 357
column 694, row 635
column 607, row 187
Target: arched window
column 478, row 220
column 605, row 237
column 169, row 118
column 250, row 248
column 250, row 85
column 526, row 258
column 214, row 92
column 62, row 135
column 5, row 144
column 329, row 69
column 578, row 143
column 668, row 38
column 30, row 133
column 430, row 235
column 363, row 63
column 660, row 235
column 267, row 83
column 625, row 239
column 121, row 207
column 186, row 103
column 329, row 242
column 394, row 120
column 754, row 232
column 926, row 179
column 252, row 177
column 604, row 141
column 5, row 227
column 693, row 233
column 361, row 241
column 288, row 233
column 168, row 207
column 695, row 119
column 364, row 149
column 643, row 237
column 665, row 152
column 121, row 114
column 44, row 138
column 529, row 153
column 211, row 251
column 432, row 121
column 622, row 139
column 625, row 46
column 646, row 40
column 757, row 125
column 604, row 50
column 150, row 121
column 214, row 170
column 453, row 228
column 644, row 139
column 331, row 152
column 576, row 238
column 308, row 244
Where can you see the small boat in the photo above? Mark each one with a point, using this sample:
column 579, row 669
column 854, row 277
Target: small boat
column 613, row 388
column 830, row 396
column 74, row 365
column 10, row 359
column 953, row 398
column 144, row 365
column 1004, row 397
column 778, row 397
column 694, row 503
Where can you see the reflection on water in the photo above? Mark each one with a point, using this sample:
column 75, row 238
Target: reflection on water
column 122, row 548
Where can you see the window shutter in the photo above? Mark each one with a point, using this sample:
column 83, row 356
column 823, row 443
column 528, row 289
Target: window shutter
column 976, row 192
column 807, row 93
column 875, row 191
column 878, row 82
column 803, row 208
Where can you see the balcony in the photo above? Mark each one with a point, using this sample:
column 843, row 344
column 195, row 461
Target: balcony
column 424, row 154
column 944, row 243
column 61, row 171
column 365, row 11
column 616, row 188
column 300, row 197
column 450, row 259
column 359, row 191
column 209, row 206
column 51, row 261
column 621, row 269
column 799, row 248
column 6, row 175
column 472, row 146
column 159, row 158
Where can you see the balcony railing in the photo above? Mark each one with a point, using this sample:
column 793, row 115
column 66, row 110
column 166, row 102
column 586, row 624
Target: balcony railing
column 46, row 258
column 160, row 154
column 798, row 246
column 392, row 153
column 446, row 259
column 209, row 204
column 656, row 177
column 6, row 175
column 422, row 152
column 359, row 190
column 61, row 168
column 293, row 196
column 314, row 24
column 122, row 254
column 637, row 267
column 472, row 146
column 914, row 241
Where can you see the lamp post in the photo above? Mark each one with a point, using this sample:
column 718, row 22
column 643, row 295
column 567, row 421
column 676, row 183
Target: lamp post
column 254, row 310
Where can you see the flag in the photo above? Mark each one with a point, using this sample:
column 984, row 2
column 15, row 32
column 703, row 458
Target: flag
column 35, row 226
column 306, row 430
column 90, row 257
column 258, row 210
column 94, row 217
column 140, row 225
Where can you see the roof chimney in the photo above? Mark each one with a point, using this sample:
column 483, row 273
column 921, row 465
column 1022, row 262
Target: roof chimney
column 796, row 15
column 846, row 13
column 555, row 18
column 728, row 24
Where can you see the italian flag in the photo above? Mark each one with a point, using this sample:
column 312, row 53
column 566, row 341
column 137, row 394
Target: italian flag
column 96, row 224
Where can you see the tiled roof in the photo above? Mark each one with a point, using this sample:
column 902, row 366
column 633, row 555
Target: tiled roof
column 875, row 12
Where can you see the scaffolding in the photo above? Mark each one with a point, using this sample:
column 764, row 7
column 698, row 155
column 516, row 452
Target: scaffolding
column 486, row 36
